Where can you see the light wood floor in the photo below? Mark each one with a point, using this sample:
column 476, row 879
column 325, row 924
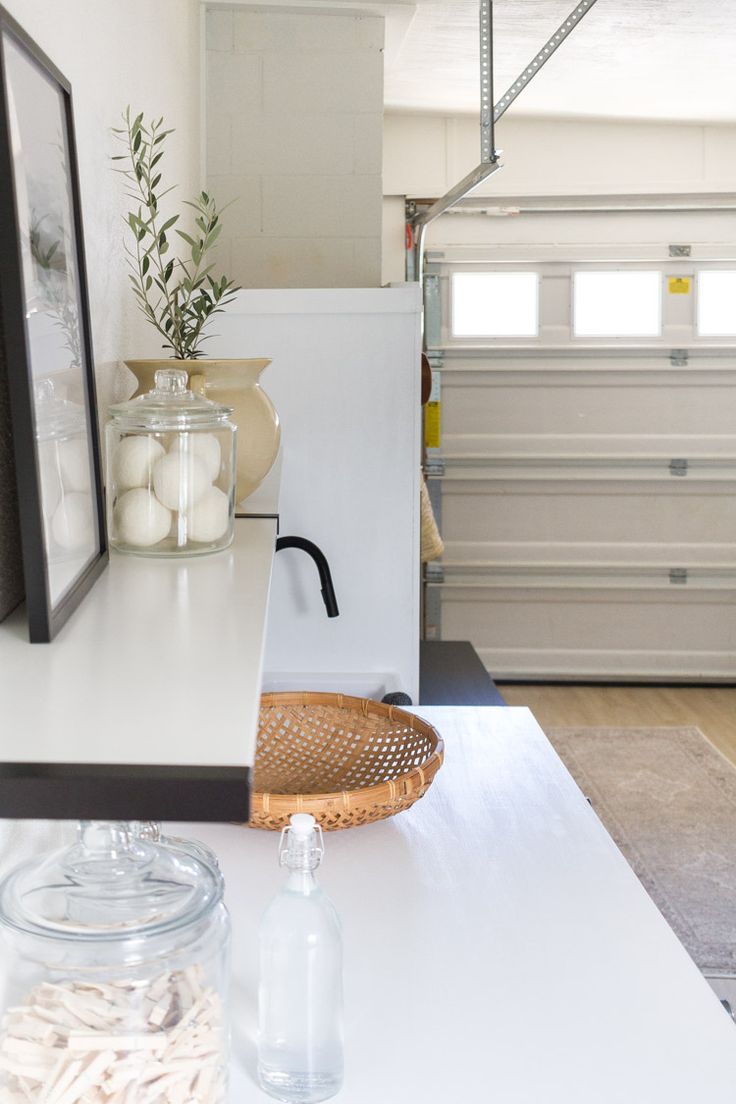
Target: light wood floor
column 713, row 711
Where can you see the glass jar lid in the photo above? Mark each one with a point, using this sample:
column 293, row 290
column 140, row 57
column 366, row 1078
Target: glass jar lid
column 170, row 405
column 110, row 885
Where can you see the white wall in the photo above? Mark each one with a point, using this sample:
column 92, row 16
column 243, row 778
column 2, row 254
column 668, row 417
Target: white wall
column 426, row 154
column 294, row 134
column 113, row 54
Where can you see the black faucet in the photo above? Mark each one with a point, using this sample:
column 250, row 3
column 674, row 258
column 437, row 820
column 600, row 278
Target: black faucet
column 325, row 578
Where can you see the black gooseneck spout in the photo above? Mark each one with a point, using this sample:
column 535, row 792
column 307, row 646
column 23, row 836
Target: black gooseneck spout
column 325, row 578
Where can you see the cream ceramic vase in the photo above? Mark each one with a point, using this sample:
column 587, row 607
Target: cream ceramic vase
column 234, row 383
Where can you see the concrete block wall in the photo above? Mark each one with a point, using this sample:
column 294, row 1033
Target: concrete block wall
column 294, row 124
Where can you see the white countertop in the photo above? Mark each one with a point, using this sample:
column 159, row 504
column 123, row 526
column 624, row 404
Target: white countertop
column 497, row 946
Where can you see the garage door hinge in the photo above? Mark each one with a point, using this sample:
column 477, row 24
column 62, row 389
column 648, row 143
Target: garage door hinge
column 435, row 573
column 678, row 467
column 680, row 250
column 678, row 575
column 434, row 467
column 679, row 358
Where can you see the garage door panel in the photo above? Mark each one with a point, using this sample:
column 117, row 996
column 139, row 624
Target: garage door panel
column 465, row 555
column 551, row 621
column 619, row 407
column 510, row 512
column 584, row 447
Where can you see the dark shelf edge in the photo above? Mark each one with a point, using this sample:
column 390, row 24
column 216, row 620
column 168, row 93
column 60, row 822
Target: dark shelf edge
column 121, row 791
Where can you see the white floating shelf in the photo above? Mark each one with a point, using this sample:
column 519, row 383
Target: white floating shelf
column 145, row 705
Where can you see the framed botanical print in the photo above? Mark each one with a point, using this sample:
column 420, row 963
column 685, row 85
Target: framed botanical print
column 47, row 351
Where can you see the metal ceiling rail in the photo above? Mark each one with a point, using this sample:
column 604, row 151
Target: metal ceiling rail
column 487, row 110
column 489, row 155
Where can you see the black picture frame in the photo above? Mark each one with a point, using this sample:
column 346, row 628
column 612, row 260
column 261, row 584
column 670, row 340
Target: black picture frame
column 45, row 328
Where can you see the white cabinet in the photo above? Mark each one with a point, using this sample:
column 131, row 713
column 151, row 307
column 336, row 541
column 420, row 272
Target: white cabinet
column 345, row 380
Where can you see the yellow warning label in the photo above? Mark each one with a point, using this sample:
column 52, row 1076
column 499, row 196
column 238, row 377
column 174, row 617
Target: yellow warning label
column 432, row 425
column 679, row 285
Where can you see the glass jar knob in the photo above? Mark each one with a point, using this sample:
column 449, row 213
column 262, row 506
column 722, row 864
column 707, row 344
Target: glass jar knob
column 171, row 381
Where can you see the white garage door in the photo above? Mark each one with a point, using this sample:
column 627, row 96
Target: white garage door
column 587, row 460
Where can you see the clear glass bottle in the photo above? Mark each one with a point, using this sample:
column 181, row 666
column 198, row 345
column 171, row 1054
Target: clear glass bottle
column 300, row 1048
column 116, row 986
column 170, row 471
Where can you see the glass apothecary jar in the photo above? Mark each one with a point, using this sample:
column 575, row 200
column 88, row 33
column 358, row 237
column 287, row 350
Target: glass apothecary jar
column 117, row 953
column 170, row 471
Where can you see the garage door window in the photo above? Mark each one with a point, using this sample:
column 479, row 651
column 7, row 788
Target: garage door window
column 717, row 303
column 617, row 304
column 495, row 304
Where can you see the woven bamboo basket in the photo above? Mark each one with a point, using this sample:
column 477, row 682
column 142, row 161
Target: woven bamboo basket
column 346, row 760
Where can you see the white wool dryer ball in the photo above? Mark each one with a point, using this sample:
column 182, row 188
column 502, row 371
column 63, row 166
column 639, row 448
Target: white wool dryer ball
column 209, row 518
column 179, row 479
column 72, row 523
column 205, row 447
column 74, row 464
column 140, row 519
column 133, row 461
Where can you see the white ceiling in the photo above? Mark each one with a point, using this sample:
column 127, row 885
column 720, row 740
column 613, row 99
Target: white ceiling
column 651, row 59
column 648, row 59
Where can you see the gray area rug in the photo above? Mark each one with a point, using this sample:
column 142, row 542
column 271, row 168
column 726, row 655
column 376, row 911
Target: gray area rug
column 668, row 799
